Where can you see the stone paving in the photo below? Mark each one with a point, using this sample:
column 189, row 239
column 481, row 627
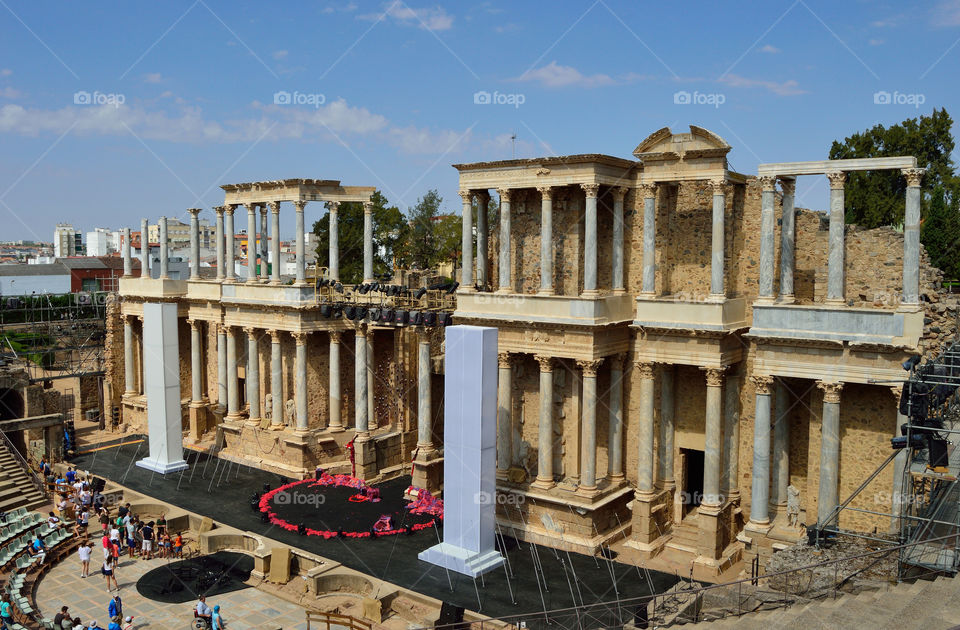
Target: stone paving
column 246, row 609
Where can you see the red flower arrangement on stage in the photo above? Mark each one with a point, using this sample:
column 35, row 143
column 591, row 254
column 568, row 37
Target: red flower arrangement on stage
column 425, row 503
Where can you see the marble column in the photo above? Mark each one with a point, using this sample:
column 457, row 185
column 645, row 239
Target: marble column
column 274, row 242
column 194, row 243
column 129, row 373
column 731, row 437
column 221, row 367
column 140, row 356
column 368, row 241
column 649, row 192
column 336, row 402
column 546, row 240
column 645, row 476
column 196, row 362
column 264, row 244
column 618, row 285
column 233, row 389
column 828, row 496
column 219, row 245
column 505, row 285
column 767, row 220
column 300, row 245
column 144, row 249
column 911, row 237
column 466, row 245
column 590, row 239
column 615, row 421
column 230, row 267
column 334, row 249
column 713, row 425
column 898, row 494
column 788, row 240
column 424, row 403
column 164, row 249
column 253, row 372
column 760, row 485
column 360, row 380
column 545, row 424
column 276, row 379
column 127, row 260
column 588, row 442
column 483, row 256
column 667, row 412
column 717, row 248
column 300, row 381
column 835, row 271
column 371, row 384
column 251, row 241
column 781, row 447
column 504, row 413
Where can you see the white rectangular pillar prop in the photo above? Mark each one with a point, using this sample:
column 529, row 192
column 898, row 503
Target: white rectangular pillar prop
column 470, row 453
column 162, row 387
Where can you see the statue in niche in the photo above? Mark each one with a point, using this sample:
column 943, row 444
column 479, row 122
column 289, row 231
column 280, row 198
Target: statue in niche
column 290, row 410
column 793, row 507
column 268, row 407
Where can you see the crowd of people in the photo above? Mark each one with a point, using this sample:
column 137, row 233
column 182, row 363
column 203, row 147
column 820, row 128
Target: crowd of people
column 65, row 621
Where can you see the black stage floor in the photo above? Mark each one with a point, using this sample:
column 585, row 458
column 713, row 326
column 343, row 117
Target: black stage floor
column 180, row 582
column 222, row 491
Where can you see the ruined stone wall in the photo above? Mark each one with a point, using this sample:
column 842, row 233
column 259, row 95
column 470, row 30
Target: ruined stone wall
column 113, row 361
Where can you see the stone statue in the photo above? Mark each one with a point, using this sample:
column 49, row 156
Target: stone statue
column 290, row 411
column 793, row 507
column 268, row 407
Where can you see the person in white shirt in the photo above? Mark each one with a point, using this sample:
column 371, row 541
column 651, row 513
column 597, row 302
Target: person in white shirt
column 84, row 552
column 53, row 522
column 203, row 611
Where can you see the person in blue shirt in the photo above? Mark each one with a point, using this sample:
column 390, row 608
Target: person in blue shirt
column 71, row 476
column 115, row 609
column 114, row 624
column 6, row 615
column 38, row 549
column 217, row 619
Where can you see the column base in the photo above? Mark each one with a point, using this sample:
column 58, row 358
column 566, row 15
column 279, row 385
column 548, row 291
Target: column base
column 198, row 419
column 786, row 299
column 162, row 467
column 365, row 457
column 276, row 427
column 649, row 520
column 588, row 491
column 590, row 293
column 427, row 473
column 648, row 295
column 335, row 428
column 543, row 483
column 619, row 291
column 835, row 301
column 717, row 298
column 467, row 288
column 546, row 292
column 766, row 299
column 504, row 290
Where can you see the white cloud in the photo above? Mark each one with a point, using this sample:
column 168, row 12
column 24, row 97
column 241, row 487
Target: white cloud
column 887, row 22
column 153, row 77
column 280, row 54
column 555, row 75
column 9, row 92
column 767, row 48
column 434, row 19
column 946, row 13
column 786, row 88
column 342, row 8
column 417, row 140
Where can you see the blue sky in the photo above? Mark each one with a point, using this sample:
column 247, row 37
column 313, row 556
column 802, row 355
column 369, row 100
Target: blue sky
column 113, row 111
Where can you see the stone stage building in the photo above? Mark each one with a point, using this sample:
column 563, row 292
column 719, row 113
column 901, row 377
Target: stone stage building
column 681, row 349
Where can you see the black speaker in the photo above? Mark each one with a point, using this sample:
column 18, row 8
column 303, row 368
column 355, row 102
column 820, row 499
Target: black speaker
column 938, row 453
column 386, row 315
column 416, row 318
column 98, row 484
column 400, row 318
column 450, row 613
column 429, row 318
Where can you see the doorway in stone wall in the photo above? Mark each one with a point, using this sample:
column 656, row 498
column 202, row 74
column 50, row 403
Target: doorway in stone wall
column 691, row 461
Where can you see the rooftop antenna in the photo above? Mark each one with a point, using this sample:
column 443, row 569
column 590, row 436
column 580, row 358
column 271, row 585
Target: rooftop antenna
column 513, row 141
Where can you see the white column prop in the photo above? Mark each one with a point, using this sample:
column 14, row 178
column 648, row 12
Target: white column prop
column 469, row 465
column 162, row 387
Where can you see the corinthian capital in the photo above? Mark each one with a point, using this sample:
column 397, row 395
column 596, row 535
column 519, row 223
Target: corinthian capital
column 619, row 192
column 788, row 185
column 719, row 185
column 913, row 175
column 299, row 205
column 768, row 183
column 831, row 391
column 546, row 192
column 714, row 377
column 546, row 363
column 504, row 194
column 645, row 368
column 590, row 190
column 762, row 384
column 466, row 195
column 837, row 179
column 589, row 368
column 274, row 206
column 648, row 190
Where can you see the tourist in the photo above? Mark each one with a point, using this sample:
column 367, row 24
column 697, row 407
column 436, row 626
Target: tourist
column 38, row 549
column 131, row 536
column 123, row 510
column 104, row 517
column 115, row 608
column 6, row 617
column 178, row 545
column 127, row 623
column 164, row 547
column 161, row 525
column 203, row 611
column 218, row 623
column 114, row 535
column 107, row 546
column 83, row 520
column 86, row 498
column 84, row 551
column 93, row 626
column 76, row 624
column 107, row 570
column 60, row 616
column 114, row 623
column 52, row 521
column 71, row 476
column 147, row 532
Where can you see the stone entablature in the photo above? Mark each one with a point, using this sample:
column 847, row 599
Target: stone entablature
column 295, row 190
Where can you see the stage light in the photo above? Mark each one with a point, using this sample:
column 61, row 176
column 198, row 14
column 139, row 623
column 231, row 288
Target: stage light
column 416, row 318
column 337, row 311
column 350, row 312
column 386, row 315
column 375, row 314
column 400, row 318
column 338, row 287
column 266, row 487
column 453, row 287
column 255, row 501
column 911, row 363
column 429, row 318
column 420, row 293
column 361, row 312
column 376, row 286
column 325, row 310
column 443, row 319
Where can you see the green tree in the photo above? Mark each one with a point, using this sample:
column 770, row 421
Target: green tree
column 940, row 232
column 448, row 232
column 875, row 198
column 421, row 243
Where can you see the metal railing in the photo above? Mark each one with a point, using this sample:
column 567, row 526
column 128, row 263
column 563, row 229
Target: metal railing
column 35, row 479
column 332, row 619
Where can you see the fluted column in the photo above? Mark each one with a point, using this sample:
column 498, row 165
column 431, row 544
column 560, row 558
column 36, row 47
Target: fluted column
column 717, row 250
column 649, row 192
column 505, row 285
column 545, row 425
column 367, row 241
column 588, row 442
column 253, row 374
column 667, row 414
column 483, row 269
column 251, row 241
column 194, row 243
column 767, row 220
column 336, row 402
column 617, row 273
column 911, row 237
column 788, row 239
column 546, row 240
column 219, row 244
column 300, row 381
column 127, row 259
column 129, row 368
column 221, row 367
column 828, row 495
column 164, row 249
column 334, row 249
column 712, row 434
column 276, row 379
column 590, row 239
column 645, row 477
column 300, row 244
column 230, row 265
column 424, row 403
column 275, row 242
column 615, row 420
column 264, row 244
column 144, row 249
column 835, row 270
column 466, row 245
column 233, row 389
column 731, row 437
column 760, row 485
column 196, row 364
column 781, row 446
column 360, row 380
column 504, row 412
